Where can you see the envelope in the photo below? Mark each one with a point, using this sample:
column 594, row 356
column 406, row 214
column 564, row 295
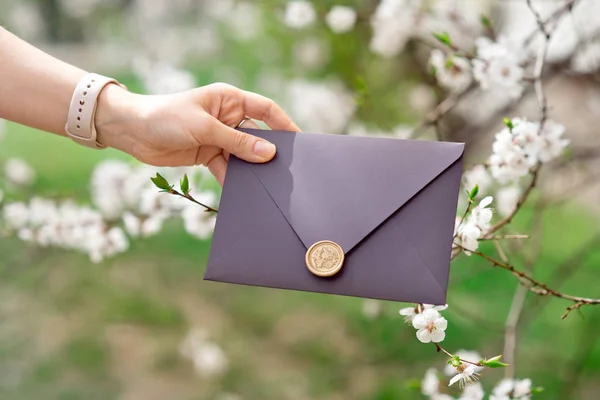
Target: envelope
column 389, row 205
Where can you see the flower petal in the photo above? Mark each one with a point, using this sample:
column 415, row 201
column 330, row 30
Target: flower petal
column 437, row 336
column 486, row 202
column 424, row 336
column 455, row 379
column 441, row 308
column 408, row 311
column 441, row 324
column 419, row 321
column 430, row 315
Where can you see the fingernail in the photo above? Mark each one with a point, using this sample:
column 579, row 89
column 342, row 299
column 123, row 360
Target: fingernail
column 264, row 149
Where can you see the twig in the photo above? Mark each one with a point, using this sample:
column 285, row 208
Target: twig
column 567, row 7
column 190, row 198
column 440, row 348
column 534, row 286
column 507, row 237
column 520, row 202
column 462, row 220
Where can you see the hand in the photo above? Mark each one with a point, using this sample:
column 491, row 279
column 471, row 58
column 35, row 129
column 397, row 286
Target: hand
column 188, row 128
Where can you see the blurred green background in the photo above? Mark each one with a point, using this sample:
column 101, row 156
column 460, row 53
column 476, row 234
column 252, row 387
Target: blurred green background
column 70, row 329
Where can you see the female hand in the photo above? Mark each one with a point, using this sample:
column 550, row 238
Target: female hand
column 189, row 128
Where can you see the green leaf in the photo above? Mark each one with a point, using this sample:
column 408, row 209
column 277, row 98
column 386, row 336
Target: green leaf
column 509, row 124
column 185, row 184
column 449, row 63
column 160, row 182
column 474, row 192
column 493, row 362
column 537, row 390
column 485, row 21
column 454, row 361
column 443, row 38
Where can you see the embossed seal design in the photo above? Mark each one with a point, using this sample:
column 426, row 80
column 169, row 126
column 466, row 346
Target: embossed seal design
column 325, row 258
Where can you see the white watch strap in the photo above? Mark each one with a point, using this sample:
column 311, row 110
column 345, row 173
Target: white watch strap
column 80, row 122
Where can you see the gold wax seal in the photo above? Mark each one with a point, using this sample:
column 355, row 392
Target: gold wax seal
column 324, row 258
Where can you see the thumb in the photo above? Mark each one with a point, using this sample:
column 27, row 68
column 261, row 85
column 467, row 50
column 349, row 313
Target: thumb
column 243, row 145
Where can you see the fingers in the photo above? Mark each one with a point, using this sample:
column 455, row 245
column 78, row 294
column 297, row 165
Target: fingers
column 217, row 166
column 243, row 145
column 266, row 110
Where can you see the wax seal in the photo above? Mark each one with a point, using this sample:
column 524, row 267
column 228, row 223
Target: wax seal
column 324, row 258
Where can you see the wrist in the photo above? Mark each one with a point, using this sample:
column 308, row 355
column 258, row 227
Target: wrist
column 117, row 119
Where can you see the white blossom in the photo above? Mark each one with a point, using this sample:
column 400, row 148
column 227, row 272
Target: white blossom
column 430, row 384
column 341, row 19
column 473, row 391
column 516, row 150
column 197, row 221
column 311, row 53
column 321, row 107
column 475, row 226
column 19, row 172
column 430, row 326
column 299, row 14
column 163, row 78
column 478, row 175
column 453, row 73
column 410, row 312
column 208, row 358
column 421, row 98
column 497, row 66
column 371, row 308
column 507, row 198
column 512, row 389
column 466, row 374
column 393, row 24
column 15, row 214
column 468, row 355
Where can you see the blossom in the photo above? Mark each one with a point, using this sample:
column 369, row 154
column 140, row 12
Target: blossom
column 430, row 386
column 341, row 19
column 393, row 24
column 479, row 176
column 430, row 326
column 208, row 358
column 371, row 308
column 468, row 355
column 299, row 14
column 475, row 226
column 522, row 146
column 15, row 214
column 163, row 78
column 197, row 221
column 466, row 375
column 453, row 73
column 410, row 312
column 321, row 107
column 552, row 142
column 497, row 66
column 19, row 172
column 512, row 389
column 473, row 391
column 507, row 198
column 311, row 53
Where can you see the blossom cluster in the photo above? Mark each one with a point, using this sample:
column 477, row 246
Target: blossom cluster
column 66, row 225
column 469, row 231
column 428, row 322
column 506, row 389
column 522, row 145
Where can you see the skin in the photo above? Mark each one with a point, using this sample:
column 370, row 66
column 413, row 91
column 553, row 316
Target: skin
column 194, row 127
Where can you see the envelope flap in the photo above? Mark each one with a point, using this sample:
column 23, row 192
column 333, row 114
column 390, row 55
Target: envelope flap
column 340, row 188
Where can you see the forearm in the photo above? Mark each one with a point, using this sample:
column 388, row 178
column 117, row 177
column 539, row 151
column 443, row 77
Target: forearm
column 35, row 88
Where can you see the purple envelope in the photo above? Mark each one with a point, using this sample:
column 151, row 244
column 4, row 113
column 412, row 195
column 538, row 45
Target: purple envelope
column 390, row 204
